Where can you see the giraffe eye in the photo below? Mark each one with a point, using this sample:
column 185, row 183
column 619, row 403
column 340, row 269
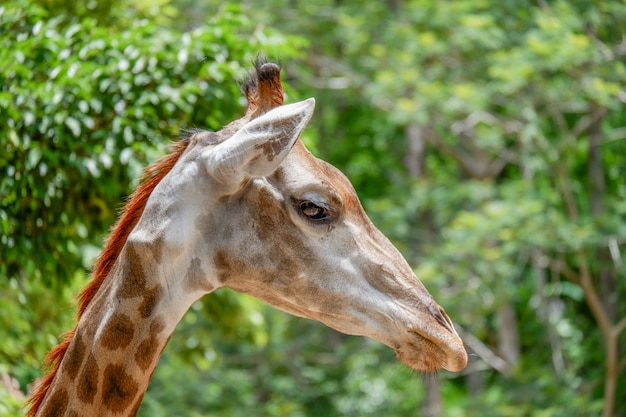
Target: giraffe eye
column 313, row 211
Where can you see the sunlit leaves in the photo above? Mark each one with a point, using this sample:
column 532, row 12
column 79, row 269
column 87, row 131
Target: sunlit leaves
column 84, row 109
column 508, row 83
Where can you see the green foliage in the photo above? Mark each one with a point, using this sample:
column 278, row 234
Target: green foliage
column 113, row 14
column 9, row 405
column 510, row 210
column 82, row 110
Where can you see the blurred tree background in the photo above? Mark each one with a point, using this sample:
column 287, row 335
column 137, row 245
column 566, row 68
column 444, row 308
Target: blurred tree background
column 486, row 139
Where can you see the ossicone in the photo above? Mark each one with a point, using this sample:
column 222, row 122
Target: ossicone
column 263, row 88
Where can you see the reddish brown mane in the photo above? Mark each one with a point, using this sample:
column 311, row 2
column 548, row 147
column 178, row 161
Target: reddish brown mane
column 115, row 242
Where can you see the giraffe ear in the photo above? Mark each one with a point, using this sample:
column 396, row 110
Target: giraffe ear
column 260, row 145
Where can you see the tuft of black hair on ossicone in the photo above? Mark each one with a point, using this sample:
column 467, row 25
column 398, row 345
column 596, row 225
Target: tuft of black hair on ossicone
column 263, row 70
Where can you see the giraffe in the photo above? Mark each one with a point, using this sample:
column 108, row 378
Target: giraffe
column 249, row 208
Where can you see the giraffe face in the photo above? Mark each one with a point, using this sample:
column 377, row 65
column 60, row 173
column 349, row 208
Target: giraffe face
column 297, row 237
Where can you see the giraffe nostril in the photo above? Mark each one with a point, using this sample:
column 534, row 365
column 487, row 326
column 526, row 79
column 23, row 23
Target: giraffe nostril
column 440, row 315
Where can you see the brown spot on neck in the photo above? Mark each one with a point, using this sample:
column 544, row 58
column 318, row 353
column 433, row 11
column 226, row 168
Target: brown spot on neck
column 150, row 301
column 119, row 389
column 227, row 266
column 56, row 404
column 118, row 333
column 133, row 279
column 75, row 355
column 88, row 382
column 196, row 278
column 148, row 351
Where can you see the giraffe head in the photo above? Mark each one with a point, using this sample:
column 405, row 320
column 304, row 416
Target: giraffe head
column 283, row 226
column 248, row 208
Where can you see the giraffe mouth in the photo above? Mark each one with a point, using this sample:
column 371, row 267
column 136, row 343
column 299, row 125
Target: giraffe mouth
column 431, row 343
column 427, row 353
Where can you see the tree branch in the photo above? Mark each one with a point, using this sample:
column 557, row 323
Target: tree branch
column 588, row 120
column 591, row 295
column 482, row 350
column 609, row 332
column 619, row 327
column 562, row 268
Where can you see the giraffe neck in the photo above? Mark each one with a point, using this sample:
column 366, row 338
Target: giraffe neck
column 118, row 340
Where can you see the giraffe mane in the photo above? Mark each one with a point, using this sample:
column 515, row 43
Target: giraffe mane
column 116, row 240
